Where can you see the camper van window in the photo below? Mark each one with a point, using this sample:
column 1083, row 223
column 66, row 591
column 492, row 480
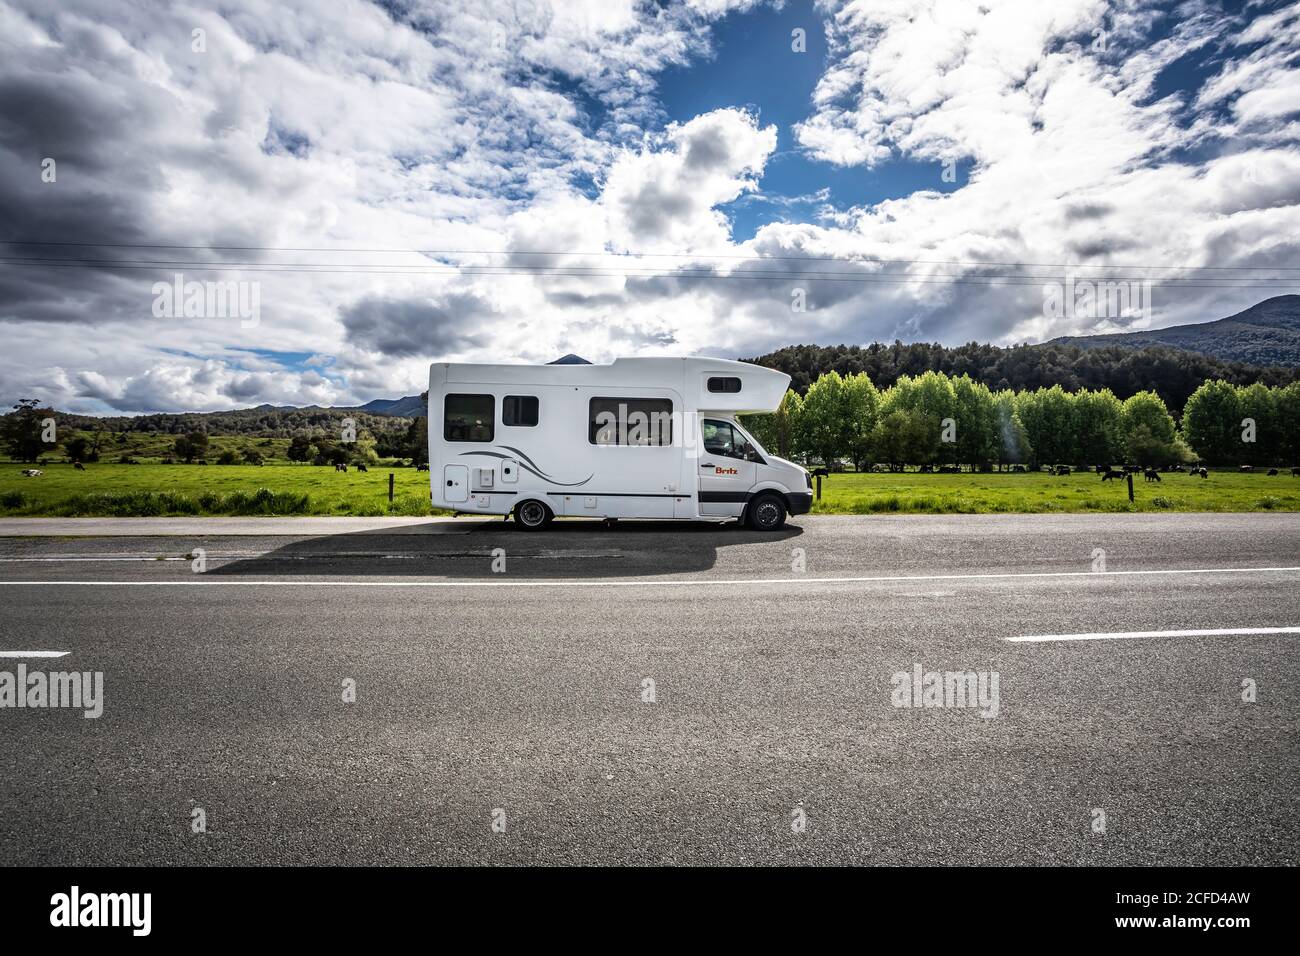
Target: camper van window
column 721, row 439
column 724, row 385
column 630, row 421
column 468, row 418
column 519, row 410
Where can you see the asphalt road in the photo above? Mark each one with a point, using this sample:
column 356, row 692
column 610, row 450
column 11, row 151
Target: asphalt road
column 522, row 691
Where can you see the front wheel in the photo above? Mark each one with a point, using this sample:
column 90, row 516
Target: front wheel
column 533, row 515
column 766, row 513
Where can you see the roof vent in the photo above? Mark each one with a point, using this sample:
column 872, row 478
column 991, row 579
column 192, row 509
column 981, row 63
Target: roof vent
column 570, row 359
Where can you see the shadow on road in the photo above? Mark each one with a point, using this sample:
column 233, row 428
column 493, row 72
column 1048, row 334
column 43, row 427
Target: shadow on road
column 578, row 549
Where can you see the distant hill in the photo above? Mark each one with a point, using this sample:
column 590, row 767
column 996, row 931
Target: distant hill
column 1267, row 333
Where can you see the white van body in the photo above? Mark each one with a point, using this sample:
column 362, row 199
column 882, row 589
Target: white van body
column 638, row 438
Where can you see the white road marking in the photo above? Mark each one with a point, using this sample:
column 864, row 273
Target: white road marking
column 34, row 653
column 650, row 582
column 71, row 559
column 1119, row 635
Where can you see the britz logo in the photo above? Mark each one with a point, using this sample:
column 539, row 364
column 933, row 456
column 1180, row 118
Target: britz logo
column 103, row 909
column 724, row 471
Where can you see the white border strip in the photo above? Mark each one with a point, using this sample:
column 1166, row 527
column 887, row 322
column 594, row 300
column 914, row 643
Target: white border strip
column 1120, row 635
column 645, row 582
column 7, row 654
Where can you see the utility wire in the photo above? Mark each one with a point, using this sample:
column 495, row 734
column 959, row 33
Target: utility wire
column 1189, row 282
column 864, row 258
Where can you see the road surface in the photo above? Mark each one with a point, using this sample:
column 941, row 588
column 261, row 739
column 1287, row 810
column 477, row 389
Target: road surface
column 770, row 733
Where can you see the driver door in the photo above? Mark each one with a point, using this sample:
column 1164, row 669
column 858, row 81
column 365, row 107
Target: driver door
column 726, row 472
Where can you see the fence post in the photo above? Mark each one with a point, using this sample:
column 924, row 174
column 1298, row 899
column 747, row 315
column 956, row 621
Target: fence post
column 390, row 486
column 1130, row 487
column 819, row 487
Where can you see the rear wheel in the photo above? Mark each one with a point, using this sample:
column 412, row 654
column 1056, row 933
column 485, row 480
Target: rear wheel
column 533, row 515
column 766, row 513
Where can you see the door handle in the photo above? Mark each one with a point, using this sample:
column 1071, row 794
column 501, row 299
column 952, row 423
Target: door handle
column 706, row 464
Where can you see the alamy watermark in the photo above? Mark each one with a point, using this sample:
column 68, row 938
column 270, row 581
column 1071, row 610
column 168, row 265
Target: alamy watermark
column 208, row 300
column 947, row 689
column 78, row 690
column 1089, row 299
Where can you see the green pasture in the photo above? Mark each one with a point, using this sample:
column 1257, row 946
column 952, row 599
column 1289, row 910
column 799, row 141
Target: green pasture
column 281, row 488
column 1034, row 492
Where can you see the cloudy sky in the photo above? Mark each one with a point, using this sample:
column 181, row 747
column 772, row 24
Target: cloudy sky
column 510, row 180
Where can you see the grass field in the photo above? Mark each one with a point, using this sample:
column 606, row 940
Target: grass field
column 1029, row 493
column 288, row 489
column 273, row 489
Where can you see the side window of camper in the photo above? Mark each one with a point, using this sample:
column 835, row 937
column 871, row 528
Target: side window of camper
column 724, row 384
column 468, row 417
column 721, row 439
column 630, row 421
column 519, row 410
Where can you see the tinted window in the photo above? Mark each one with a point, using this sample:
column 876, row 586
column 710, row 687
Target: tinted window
column 721, row 439
column 724, row 385
column 519, row 410
column 468, row 417
column 630, row 421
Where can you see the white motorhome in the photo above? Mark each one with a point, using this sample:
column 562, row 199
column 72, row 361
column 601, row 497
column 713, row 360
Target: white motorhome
column 638, row 438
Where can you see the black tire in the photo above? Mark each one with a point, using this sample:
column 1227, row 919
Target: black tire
column 766, row 513
column 533, row 515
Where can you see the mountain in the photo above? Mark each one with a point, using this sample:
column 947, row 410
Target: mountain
column 1267, row 333
column 408, row 407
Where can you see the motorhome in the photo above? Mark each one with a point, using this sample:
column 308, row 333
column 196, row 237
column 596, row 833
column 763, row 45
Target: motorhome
column 637, row 438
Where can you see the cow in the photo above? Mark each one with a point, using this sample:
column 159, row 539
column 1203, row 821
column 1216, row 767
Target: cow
column 79, row 466
column 1112, row 474
column 361, row 467
column 1151, row 474
column 339, row 467
column 424, row 467
column 1245, row 468
column 1062, row 471
column 1132, row 469
column 1272, row 472
column 203, row 461
column 32, row 472
column 1203, row 473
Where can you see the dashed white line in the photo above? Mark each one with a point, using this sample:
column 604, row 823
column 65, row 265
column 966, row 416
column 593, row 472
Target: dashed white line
column 1122, row 635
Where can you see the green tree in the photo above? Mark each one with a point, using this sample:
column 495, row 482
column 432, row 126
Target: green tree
column 1258, row 403
column 927, row 400
column 776, row 431
column 1098, row 431
column 1150, row 437
column 903, row 436
column 825, row 420
column 1048, row 418
column 191, row 446
column 1287, row 401
column 862, row 406
column 76, row 448
column 1013, row 440
column 978, row 435
column 1212, row 423
column 22, row 431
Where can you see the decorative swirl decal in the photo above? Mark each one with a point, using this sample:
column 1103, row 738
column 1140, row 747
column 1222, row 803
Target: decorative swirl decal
column 528, row 465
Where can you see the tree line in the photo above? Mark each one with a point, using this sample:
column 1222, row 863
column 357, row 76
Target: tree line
column 1173, row 374
column 939, row 419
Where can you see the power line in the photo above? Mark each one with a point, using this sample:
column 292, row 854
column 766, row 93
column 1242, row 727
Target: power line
column 1190, row 282
column 865, row 258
